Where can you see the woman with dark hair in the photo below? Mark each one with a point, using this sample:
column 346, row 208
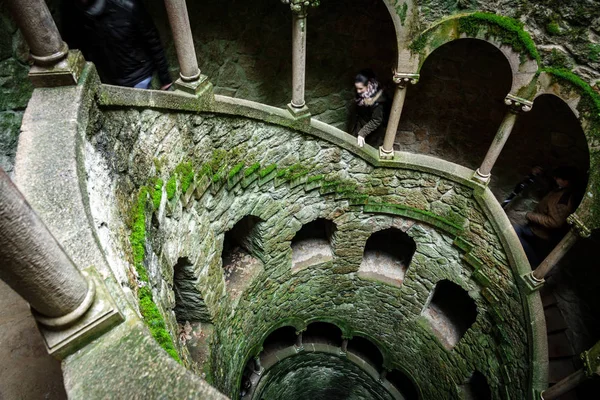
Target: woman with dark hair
column 370, row 101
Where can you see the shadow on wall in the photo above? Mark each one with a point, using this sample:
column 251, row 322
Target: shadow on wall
column 245, row 49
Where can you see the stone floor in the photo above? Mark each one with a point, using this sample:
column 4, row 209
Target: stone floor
column 309, row 252
column 384, row 265
column 239, row 268
column 442, row 326
column 26, row 370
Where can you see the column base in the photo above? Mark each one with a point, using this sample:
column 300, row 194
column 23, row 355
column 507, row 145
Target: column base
column 102, row 316
column 386, row 154
column 66, row 72
column 481, row 178
column 299, row 349
column 298, row 112
column 532, row 284
column 200, row 87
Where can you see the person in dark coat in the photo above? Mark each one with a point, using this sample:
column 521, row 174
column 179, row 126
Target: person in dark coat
column 119, row 37
column 371, row 111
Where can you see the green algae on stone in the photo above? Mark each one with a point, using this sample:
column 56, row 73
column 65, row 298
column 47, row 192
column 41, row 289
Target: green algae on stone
column 171, row 187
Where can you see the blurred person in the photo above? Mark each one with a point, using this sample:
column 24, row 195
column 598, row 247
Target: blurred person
column 370, row 101
column 119, row 37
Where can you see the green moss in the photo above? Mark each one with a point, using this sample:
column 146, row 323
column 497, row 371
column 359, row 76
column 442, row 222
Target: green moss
column 218, row 158
column 402, row 11
column 590, row 100
column 157, row 193
column 235, row 170
column 507, row 30
column 137, row 238
column 252, row 169
column 155, row 322
column 315, row 178
column 185, row 173
column 419, row 43
column 171, row 187
column 594, row 52
column 553, row 28
column 267, row 170
column 558, row 59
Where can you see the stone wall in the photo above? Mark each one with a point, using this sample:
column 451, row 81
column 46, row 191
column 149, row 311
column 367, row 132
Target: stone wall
column 15, row 88
column 455, row 241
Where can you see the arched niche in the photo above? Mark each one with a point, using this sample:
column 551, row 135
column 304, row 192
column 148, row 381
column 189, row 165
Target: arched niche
column 550, row 136
column 463, row 84
column 241, row 254
column 189, row 302
column 450, row 312
column 491, row 28
column 312, row 244
column 366, row 350
column 476, row 388
column 404, row 384
column 387, row 256
column 322, row 332
column 279, row 339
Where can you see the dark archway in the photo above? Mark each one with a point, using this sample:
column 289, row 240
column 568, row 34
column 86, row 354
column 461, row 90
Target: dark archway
column 451, row 312
column 279, row 339
column 550, row 136
column 366, row 350
column 477, row 388
column 387, row 255
column 312, row 243
column 456, row 108
column 241, row 253
column 403, row 384
column 322, row 332
column 189, row 302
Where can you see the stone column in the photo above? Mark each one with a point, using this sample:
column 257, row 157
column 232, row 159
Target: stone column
column 591, row 368
column 382, row 374
column 34, row 264
column 387, row 150
column 344, row 347
column 258, row 369
column 190, row 79
column 516, row 105
column 299, row 345
column 53, row 65
column 299, row 13
column 535, row 279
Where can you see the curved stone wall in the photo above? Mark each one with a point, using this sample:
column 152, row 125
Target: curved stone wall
column 456, row 240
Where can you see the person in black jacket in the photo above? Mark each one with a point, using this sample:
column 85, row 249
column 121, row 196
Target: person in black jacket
column 370, row 101
column 119, row 37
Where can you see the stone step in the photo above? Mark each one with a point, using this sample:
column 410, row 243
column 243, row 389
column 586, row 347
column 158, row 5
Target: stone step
column 554, row 320
column 559, row 346
column 560, row 368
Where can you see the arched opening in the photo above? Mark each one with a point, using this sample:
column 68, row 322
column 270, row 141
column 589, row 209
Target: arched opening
column 322, row 332
column 477, row 388
column 189, row 303
column 403, row 384
column 387, row 256
column 312, row 244
column 245, row 49
column 451, row 312
column 366, row 350
column 463, row 85
column 240, row 255
column 549, row 136
column 279, row 339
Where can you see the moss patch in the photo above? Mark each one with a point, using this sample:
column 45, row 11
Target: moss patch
column 508, row 30
column 171, row 187
column 185, row 173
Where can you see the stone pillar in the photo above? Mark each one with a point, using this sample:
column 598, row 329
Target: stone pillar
column 34, row 264
column 299, row 13
column 382, row 374
column 258, row 369
column 190, row 79
column 387, row 150
column 53, row 65
column 516, row 105
column 591, row 368
column 344, row 348
column 535, row 279
column 299, row 345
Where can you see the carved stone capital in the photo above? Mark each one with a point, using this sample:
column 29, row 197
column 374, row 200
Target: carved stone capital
column 518, row 104
column 578, row 226
column 403, row 79
column 591, row 361
column 301, row 6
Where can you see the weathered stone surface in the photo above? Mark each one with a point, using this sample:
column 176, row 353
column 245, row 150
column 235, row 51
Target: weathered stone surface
column 331, row 290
